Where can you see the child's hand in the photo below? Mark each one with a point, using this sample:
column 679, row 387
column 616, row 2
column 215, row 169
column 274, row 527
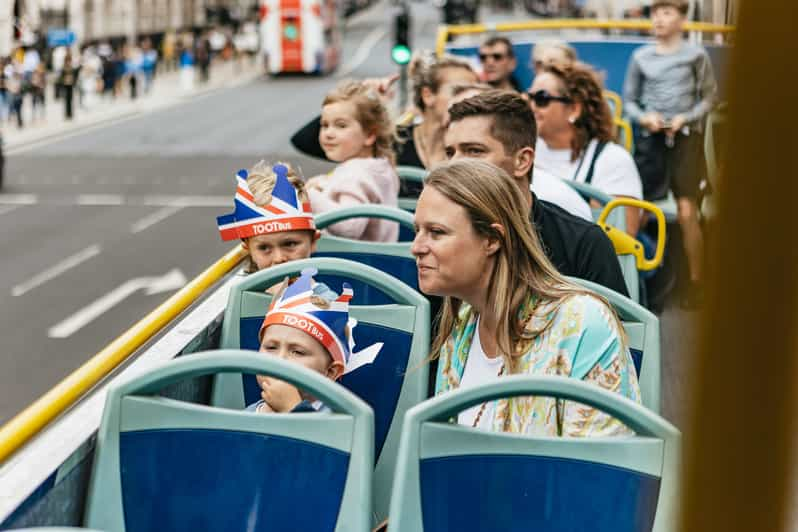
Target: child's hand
column 383, row 86
column 652, row 122
column 677, row 123
column 279, row 395
column 264, row 408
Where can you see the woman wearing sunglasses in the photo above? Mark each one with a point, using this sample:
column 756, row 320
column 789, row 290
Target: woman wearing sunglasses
column 576, row 134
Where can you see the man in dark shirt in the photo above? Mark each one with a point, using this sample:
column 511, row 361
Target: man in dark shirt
column 499, row 126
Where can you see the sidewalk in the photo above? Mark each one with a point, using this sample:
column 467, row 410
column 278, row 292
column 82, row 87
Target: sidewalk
column 166, row 91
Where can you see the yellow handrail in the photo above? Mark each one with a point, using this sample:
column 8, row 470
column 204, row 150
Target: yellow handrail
column 625, row 127
column 31, row 420
column 617, row 103
column 557, row 24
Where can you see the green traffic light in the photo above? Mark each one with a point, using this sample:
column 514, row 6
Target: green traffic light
column 400, row 54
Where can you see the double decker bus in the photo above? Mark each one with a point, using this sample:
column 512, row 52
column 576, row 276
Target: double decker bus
column 300, row 36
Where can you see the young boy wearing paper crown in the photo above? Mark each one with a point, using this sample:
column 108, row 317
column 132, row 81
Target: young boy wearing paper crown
column 308, row 324
column 272, row 216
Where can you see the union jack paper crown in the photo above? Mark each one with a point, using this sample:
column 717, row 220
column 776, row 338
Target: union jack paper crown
column 285, row 212
column 295, row 308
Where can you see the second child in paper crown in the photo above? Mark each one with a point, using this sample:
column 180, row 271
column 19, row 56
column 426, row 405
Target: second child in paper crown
column 357, row 132
column 272, row 216
column 308, row 324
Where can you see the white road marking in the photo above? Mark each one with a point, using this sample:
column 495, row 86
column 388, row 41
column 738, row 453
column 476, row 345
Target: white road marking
column 9, row 208
column 56, row 270
column 165, row 200
column 100, row 199
column 363, row 51
column 158, row 216
column 172, row 280
column 19, row 199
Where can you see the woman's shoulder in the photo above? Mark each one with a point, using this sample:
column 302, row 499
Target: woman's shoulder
column 614, row 154
column 578, row 311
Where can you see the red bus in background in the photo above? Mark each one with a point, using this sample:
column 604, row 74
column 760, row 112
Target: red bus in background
column 300, row 35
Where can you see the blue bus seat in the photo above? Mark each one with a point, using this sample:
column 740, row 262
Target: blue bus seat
column 455, row 478
column 643, row 334
column 395, row 381
column 163, row 464
column 393, row 258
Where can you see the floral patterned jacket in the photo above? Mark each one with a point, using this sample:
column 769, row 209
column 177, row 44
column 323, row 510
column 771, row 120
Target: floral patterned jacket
column 583, row 342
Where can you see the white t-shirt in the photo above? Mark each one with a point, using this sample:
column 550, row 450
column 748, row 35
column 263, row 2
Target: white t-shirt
column 479, row 369
column 615, row 172
column 554, row 190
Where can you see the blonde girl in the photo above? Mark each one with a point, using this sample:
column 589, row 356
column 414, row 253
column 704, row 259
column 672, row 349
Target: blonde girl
column 357, row 132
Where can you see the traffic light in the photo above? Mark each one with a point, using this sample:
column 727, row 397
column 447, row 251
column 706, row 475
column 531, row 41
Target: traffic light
column 400, row 53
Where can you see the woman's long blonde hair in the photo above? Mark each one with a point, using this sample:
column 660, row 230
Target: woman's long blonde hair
column 521, row 269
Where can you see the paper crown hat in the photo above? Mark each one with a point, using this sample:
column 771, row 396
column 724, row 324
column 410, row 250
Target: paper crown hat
column 285, row 212
column 329, row 323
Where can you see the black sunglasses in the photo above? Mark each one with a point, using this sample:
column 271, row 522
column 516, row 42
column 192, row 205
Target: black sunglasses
column 542, row 98
column 495, row 57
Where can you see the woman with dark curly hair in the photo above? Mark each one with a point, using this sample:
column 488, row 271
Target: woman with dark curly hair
column 576, row 134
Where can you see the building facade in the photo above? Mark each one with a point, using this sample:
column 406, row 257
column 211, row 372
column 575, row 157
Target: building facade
column 96, row 20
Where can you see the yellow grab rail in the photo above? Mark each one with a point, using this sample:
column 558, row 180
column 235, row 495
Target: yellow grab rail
column 31, row 420
column 617, row 103
column 623, row 126
column 559, row 24
column 626, row 244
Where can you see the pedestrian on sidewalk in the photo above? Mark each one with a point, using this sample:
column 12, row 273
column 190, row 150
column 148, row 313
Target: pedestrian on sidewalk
column 108, row 73
column 204, row 59
column 3, row 92
column 186, row 69
column 14, row 87
column 38, row 84
column 66, row 80
column 149, row 63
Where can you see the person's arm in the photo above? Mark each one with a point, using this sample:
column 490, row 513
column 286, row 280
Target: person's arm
column 306, row 139
column 598, row 261
column 344, row 191
column 599, row 356
column 707, row 89
column 632, row 86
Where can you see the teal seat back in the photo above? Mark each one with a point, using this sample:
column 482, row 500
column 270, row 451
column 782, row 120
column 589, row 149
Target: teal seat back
column 394, row 382
column 412, row 181
column 617, row 217
column 393, row 258
column 455, row 478
column 162, row 464
column 643, row 334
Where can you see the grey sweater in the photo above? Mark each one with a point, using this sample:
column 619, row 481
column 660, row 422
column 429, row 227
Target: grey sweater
column 681, row 82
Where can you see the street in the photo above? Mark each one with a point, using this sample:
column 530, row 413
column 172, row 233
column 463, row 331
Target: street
column 99, row 227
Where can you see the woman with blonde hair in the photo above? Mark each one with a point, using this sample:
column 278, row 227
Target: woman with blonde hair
column 507, row 310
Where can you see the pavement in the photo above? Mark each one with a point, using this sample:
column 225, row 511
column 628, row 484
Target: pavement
column 103, row 218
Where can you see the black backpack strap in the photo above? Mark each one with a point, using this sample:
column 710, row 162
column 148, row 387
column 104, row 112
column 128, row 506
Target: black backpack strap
column 599, row 148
